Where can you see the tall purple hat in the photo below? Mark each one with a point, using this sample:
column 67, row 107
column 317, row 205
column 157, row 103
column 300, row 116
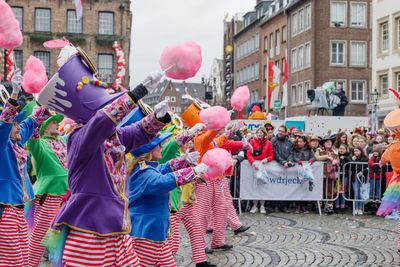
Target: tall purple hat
column 74, row 90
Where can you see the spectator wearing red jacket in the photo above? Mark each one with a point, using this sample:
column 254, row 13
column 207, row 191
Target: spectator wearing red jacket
column 262, row 153
column 375, row 172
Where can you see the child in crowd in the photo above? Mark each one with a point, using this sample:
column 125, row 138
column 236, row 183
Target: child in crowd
column 375, row 173
column 344, row 157
column 357, row 170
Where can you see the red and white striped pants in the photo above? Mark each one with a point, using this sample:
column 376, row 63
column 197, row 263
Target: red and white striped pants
column 44, row 215
column 232, row 218
column 153, row 253
column 173, row 240
column 211, row 198
column 13, row 238
column 85, row 249
column 192, row 225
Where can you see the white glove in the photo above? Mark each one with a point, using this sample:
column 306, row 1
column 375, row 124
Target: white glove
column 152, row 80
column 16, row 81
column 201, row 168
column 197, row 128
column 246, row 144
column 192, row 157
column 161, row 108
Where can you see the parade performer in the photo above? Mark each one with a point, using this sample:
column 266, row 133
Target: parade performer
column 50, row 154
column 211, row 197
column 15, row 186
column 149, row 187
column 97, row 209
column 391, row 199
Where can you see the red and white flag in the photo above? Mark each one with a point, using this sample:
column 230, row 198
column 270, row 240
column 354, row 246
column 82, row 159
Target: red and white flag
column 273, row 83
column 285, row 90
column 79, row 9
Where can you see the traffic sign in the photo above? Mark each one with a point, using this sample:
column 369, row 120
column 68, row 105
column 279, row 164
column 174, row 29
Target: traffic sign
column 277, row 105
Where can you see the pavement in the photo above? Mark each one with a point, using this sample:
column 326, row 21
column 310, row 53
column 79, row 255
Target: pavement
column 288, row 239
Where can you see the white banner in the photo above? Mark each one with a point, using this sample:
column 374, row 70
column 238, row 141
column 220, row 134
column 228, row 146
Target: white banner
column 279, row 183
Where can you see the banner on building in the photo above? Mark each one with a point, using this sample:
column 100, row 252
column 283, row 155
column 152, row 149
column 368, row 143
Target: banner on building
column 279, row 183
column 273, row 83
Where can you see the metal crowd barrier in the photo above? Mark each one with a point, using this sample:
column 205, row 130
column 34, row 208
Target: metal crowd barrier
column 344, row 187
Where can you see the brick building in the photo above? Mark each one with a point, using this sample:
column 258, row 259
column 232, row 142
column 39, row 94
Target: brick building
column 174, row 92
column 329, row 41
column 103, row 23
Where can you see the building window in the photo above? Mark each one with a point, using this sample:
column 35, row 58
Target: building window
column 384, row 84
column 338, row 14
column 300, row 90
column 42, row 20
column 301, row 58
column 265, row 43
column 294, row 95
column 358, row 14
column 301, row 20
column 284, row 34
column 307, row 62
column 105, row 69
column 18, row 59
column 308, row 17
column 106, row 23
column 307, row 86
column 271, row 46
column 45, row 58
column 358, row 53
column 294, row 60
column 337, row 53
column 294, row 24
column 398, row 81
column 73, row 24
column 19, row 15
column 342, row 83
column 384, row 37
column 278, row 43
column 173, row 99
column 357, row 91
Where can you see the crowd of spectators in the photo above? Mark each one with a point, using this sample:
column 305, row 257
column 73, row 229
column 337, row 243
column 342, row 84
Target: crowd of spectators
column 350, row 160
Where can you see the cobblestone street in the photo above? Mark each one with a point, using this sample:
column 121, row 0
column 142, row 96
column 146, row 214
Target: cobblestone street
column 280, row 239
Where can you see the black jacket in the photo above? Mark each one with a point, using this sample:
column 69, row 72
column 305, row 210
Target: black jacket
column 305, row 154
column 356, row 167
column 283, row 150
column 339, row 110
column 345, row 158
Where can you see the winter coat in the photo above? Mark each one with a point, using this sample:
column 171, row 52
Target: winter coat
column 303, row 154
column 375, row 172
column 283, row 150
column 339, row 110
column 267, row 151
column 344, row 158
column 356, row 168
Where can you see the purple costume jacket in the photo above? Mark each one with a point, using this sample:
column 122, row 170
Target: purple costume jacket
column 97, row 170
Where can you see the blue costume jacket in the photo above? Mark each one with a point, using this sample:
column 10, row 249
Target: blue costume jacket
column 15, row 186
column 149, row 184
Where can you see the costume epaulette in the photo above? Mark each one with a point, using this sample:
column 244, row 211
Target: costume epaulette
column 143, row 165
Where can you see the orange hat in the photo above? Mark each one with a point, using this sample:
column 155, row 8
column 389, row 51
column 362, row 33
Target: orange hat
column 191, row 114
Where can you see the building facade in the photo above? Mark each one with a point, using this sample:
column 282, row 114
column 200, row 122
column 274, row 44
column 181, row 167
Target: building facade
column 103, row 23
column 386, row 56
column 215, row 83
column 329, row 41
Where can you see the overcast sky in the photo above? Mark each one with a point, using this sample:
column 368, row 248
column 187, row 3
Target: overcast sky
column 161, row 23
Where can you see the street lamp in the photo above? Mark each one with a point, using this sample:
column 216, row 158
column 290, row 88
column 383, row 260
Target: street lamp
column 374, row 102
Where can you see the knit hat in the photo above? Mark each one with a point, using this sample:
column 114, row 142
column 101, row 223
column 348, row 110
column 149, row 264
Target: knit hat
column 378, row 148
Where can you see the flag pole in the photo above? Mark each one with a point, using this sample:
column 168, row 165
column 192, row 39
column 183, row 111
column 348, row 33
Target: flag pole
column 267, row 89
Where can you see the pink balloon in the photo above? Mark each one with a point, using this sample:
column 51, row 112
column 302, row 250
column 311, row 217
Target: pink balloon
column 10, row 33
column 35, row 77
column 218, row 161
column 240, row 97
column 215, row 118
column 57, row 43
column 186, row 59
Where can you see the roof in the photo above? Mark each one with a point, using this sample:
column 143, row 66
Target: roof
column 292, row 4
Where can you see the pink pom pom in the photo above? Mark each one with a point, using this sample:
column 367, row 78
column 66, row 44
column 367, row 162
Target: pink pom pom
column 57, row 43
column 240, row 97
column 218, row 161
column 185, row 57
column 10, row 33
column 215, row 118
column 35, row 77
